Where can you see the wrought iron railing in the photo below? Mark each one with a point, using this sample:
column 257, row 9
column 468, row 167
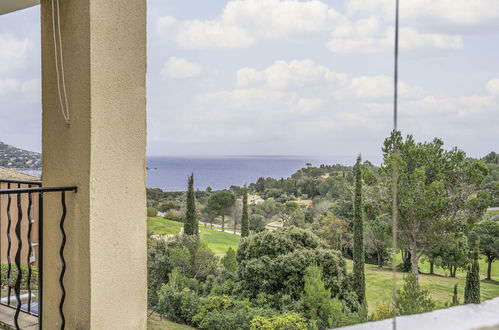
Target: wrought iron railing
column 21, row 247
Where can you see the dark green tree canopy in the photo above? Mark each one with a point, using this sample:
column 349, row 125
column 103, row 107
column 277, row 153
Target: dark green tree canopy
column 276, row 262
column 487, row 232
column 438, row 190
column 220, row 202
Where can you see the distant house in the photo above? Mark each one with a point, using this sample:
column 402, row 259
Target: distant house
column 306, row 203
column 255, row 200
column 17, row 180
column 274, row 225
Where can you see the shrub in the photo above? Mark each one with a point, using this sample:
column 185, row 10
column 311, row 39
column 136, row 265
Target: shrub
column 152, row 212
column 275, row 263
column 224, row 312
column 383, row 311
column 229, row 260
column 319, row 307
column 412, row 299
column 177, row 306
column 175, row 215
column 24, row 278
column 286, row 321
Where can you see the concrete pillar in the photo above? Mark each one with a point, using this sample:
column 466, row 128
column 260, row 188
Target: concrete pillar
column 102, row 152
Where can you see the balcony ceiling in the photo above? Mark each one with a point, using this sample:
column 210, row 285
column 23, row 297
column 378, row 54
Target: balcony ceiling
column 8, row 6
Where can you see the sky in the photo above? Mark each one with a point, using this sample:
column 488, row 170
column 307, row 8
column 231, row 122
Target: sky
column 289, row 77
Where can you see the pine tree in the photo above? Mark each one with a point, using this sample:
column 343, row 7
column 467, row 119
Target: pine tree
column 472, row 288
column 245, row 218
column 358, row 237
column 191, row 226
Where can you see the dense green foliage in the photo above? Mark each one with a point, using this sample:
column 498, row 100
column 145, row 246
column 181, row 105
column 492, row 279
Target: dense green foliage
column 412, row 299
column 191, row 226
column 319, row 307
column 285, row 321
column 245, row 224
column 219, row 204
column 438, row 191
column 359, row 281
column 229, row 261
column 487, row 233
column 275, row 263
column 152, row 212
column 472, row 288
column 296, row 277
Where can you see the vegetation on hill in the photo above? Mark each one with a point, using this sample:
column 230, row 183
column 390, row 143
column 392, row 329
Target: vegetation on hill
column 12, row 157
column 329, row 215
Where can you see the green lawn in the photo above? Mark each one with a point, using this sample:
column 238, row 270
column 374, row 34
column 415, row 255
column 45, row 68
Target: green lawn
column 154, row 322
column 217, row 241
column 441, row 287
column 378, row 281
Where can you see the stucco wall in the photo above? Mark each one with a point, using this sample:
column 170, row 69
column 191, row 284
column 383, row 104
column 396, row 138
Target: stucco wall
column 102, row 152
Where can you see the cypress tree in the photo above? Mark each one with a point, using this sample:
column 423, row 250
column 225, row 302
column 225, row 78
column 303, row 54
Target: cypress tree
column 191, row 222
column 245, row 218
column 455, row 299
column 358, row 236
column 472, row 288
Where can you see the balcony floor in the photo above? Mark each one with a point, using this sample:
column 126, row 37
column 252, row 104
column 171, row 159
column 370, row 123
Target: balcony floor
column 26, row 321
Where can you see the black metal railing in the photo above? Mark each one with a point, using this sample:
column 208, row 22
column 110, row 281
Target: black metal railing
column 21, row 252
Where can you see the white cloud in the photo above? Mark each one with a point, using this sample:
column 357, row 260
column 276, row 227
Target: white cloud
column 371, row 36
column 255, row 102
column 452, row 15
column 245, row 23
column 12, row 52
column 296, row 73
column 493, row 86
column 179, row 68
column 373, row 87
column 8, row 86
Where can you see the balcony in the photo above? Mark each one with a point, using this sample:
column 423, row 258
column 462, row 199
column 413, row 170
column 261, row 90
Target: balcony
column 99, row 145
column 21, row 251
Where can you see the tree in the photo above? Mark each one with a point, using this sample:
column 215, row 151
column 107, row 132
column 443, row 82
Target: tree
column 257, row 223
column 245, row 217
column 191, row 226
column 229, row 260
column 491, row 158
column 454, row 252
column 378, row 238
column 152, row 212
column 438, row 191
column 334, row 231
column 236, row 212
column 319, row 307
column 208, row 216
column 455, row 299
column 359, row 281
column 472, row 287
column 275, row 262
column 487, row 233
column 220, row 203
column 412, row 299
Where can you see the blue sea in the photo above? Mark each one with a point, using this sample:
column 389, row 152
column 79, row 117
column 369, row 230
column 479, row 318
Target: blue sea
column 170, row 173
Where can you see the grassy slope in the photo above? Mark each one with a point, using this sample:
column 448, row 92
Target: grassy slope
column 217, row 241
column 154, row 322
column 378, row 280
column 379, row 283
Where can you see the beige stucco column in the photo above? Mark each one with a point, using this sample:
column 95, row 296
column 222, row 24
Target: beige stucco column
column 102, row 152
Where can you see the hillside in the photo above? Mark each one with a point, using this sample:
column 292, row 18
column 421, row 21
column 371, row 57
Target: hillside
column 12, row 157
